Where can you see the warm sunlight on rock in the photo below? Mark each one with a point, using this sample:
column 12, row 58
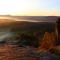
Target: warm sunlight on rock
column 48, row 41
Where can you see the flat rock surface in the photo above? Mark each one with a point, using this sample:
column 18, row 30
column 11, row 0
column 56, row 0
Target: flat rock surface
column 13, row 52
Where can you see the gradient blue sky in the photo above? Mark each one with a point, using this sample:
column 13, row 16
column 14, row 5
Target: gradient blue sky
column 30, row 7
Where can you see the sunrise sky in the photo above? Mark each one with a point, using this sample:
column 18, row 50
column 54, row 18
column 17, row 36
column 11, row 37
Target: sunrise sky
column 30, row 7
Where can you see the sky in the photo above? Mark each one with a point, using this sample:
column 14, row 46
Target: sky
column 30, row 7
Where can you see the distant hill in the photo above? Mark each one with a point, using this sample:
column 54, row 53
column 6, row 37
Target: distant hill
column 32, row 18
column 38, row 18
